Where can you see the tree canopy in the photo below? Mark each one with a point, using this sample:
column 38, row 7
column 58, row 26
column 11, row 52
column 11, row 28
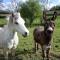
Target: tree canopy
column 30, row 10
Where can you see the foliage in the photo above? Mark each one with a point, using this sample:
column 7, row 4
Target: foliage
column 30, row 10
column 55, row 8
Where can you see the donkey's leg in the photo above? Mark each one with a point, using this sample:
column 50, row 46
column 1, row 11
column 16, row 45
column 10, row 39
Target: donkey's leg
column 37, row 46
column 43, row 53
column 47, row 53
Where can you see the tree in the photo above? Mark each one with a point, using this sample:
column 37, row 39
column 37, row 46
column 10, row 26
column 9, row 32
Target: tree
column 30, row 10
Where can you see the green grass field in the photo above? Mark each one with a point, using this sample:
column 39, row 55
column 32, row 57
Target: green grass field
column 25, row 51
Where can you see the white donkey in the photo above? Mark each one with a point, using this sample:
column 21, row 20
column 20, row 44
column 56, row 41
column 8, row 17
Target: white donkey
column 8, row 34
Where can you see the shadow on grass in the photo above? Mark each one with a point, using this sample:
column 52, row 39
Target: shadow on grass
column 55, row 55
column 30, row 55
column 2, row 25
column 24, row 51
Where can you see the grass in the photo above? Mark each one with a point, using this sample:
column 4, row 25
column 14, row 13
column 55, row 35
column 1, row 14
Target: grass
column 2, row 22
column 25, row 51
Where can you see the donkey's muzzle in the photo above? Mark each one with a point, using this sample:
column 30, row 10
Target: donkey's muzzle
column 50, row 29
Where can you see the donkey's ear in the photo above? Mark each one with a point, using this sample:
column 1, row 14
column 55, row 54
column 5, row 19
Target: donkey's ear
column 54, row 16
column 44, row 15
column 12, row 14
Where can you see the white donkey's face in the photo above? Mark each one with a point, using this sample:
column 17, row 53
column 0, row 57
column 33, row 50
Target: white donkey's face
column 19, row 24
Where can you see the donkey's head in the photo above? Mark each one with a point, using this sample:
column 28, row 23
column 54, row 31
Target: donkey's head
column 17, row 23
column 49, row 27
column 50, row 24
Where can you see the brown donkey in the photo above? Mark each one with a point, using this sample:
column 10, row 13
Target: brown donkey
column 43, row 37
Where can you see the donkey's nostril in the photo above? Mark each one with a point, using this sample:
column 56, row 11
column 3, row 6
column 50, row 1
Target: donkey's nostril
column 49, row 31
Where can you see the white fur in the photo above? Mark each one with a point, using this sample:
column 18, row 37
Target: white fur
column 45, row 47
column 50, row 28
column 8, row 34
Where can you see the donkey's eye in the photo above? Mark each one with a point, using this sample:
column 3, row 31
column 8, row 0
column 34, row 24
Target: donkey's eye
column 16, row 23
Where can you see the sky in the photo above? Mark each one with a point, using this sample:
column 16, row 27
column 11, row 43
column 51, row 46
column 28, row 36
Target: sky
column 5, row 1
column 51, row 3
column 11, row 0
column 57, row 2
column 48, row 5
column 6, row 4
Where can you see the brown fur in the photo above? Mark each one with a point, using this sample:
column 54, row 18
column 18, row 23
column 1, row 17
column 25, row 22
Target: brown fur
column 43, row 36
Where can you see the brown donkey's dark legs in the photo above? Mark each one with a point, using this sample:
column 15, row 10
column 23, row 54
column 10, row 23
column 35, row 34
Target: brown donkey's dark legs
column 43, row 53
column 35, row 46
column 47, row 53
